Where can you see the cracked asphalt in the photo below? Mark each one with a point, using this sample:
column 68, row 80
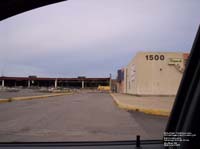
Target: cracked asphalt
column 84, row 116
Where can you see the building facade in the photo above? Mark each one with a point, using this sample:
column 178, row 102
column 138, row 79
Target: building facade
column 34, row 81
column 120, row 80
column 153, row 73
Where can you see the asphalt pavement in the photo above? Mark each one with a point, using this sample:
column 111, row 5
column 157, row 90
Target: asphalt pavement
column 79, row 117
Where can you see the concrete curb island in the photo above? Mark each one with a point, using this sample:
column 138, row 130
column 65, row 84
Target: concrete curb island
column 130, row 107
column 4, row 100
column 33, row 97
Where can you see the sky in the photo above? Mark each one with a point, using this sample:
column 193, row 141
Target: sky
column 94, row 38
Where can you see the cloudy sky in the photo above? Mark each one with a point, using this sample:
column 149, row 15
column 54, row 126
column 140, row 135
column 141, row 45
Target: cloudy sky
column 93, row 37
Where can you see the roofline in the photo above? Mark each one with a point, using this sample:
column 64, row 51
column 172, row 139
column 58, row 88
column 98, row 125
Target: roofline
column 49, row 79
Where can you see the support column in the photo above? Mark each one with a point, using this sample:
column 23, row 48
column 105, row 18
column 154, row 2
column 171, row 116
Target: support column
column 56, row 83
column 29, row 83
column 83, row 84
column 2, row 83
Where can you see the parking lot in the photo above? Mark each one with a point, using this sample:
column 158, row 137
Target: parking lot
column 83, row 116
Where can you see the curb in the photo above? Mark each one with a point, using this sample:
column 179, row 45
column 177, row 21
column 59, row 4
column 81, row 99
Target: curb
column 33, row 97
column 4, row 100
column 135, row 108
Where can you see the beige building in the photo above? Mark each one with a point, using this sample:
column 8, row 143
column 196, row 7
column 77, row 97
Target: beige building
column 154, row 73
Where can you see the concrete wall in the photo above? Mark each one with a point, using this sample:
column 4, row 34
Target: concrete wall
column 154, row 73
column 120, row 81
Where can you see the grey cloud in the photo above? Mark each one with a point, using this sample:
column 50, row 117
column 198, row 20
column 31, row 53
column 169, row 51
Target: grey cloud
column 94, row 38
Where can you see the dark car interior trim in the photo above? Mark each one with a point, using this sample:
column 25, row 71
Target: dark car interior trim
column 10, row 8
column 185, row 113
